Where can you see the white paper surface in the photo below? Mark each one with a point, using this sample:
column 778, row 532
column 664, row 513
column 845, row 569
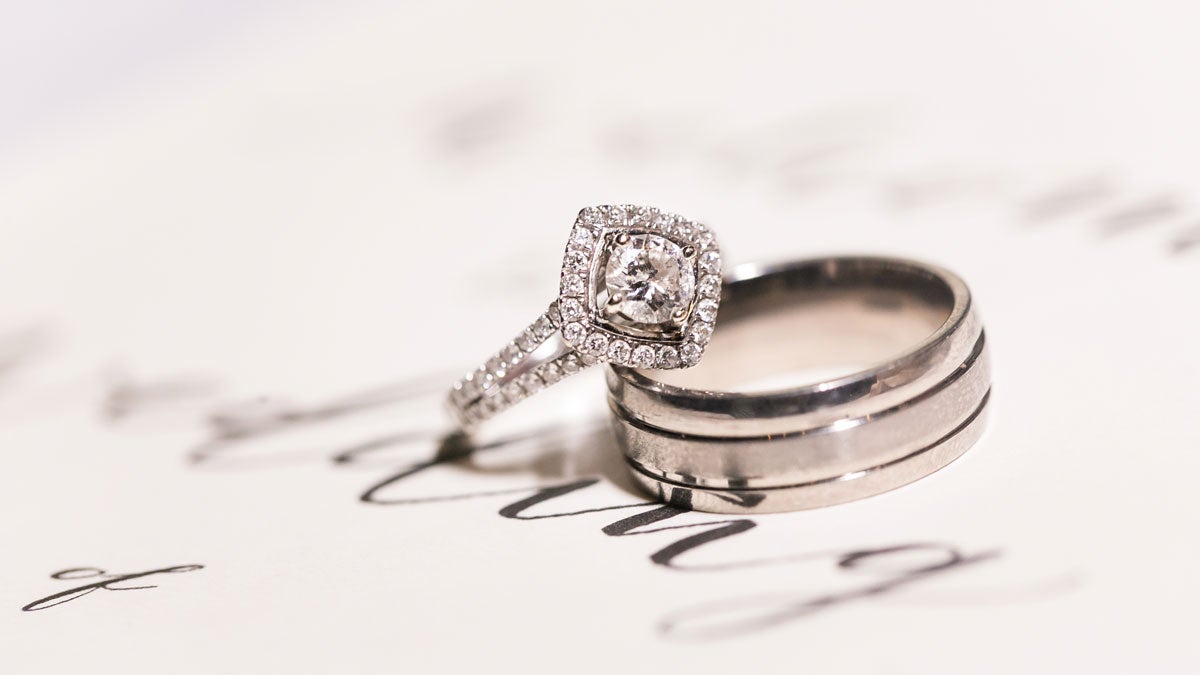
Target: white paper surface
column 235, row 282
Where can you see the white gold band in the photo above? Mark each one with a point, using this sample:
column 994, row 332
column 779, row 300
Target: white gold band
column 698, row 445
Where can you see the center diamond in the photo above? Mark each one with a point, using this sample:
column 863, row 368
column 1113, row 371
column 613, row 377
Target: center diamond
column 650, row 282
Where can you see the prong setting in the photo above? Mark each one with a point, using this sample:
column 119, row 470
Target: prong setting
column 671, row 262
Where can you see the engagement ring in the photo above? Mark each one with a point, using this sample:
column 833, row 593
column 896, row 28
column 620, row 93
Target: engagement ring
column 639, row 288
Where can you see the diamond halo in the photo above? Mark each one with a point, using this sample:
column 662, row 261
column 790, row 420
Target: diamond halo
column 639, row 287
column 643, row 279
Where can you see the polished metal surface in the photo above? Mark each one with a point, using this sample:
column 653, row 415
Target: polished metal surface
column 837, row 489
column 909, row 398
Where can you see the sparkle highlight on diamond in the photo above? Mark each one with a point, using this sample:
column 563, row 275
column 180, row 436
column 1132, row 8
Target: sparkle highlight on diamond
column 649, row 281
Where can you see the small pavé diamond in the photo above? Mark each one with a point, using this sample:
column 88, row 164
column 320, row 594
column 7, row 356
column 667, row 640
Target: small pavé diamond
column 485, row 380
column 574, row 333
column 527, row 342
column 690, row 354
column 700, row 331
column 573, row 284
column 641, row 216
column 571, row 364
column 643, row 356
column 595, row 343
column 581, row 236
column 619, row 351
column 710, row 286
column 572, row 309
column 531, row 383
column 543, row 327
column 551, row 373
column 470, row 387
column 668, row 357
column 511, row 354
column 707, row 310
column 710, row 262
column 577, row 261
column 512, row 392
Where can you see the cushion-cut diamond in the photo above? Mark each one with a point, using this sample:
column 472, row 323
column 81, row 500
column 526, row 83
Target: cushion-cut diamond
column 649, row 280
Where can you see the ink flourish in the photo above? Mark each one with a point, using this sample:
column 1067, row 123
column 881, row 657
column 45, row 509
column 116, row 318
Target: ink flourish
column 237, row 426
column 106, row 583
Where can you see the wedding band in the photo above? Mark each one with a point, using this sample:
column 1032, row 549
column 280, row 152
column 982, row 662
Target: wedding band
column 639, row 287
column 910, row 398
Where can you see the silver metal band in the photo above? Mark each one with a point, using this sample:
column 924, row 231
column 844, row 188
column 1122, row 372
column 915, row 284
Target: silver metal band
column 695, row 443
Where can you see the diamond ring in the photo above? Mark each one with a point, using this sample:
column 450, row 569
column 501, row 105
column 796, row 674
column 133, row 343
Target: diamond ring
column 639, row 288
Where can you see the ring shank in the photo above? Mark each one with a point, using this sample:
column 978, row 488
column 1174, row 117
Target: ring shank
column 537, row 358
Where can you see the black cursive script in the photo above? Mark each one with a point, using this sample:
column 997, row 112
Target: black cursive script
column 399, row 488
column 105, row 582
